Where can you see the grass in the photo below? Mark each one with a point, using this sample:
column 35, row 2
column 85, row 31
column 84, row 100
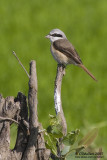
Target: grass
column 23, row 27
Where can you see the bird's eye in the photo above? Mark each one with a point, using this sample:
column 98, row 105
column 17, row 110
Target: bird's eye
column 56, row 35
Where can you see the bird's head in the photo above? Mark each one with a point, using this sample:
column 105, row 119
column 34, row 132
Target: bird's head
column 56, row 34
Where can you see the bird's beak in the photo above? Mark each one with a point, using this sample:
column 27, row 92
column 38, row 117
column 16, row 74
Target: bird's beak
column 48, row 36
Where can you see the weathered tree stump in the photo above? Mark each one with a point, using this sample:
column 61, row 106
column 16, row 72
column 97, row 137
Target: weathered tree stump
column 30, row 143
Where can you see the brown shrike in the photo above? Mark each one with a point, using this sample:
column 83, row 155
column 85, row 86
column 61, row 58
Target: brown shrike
column 63, row 51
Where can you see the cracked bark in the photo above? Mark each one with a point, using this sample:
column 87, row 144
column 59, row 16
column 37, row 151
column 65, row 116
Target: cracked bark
column 30, row 143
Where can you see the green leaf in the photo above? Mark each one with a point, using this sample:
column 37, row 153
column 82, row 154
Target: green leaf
column 79, row 149
column 55, row 128
column 54, row 120
column 52, row 116
column 89, row 138
column 65, row 150
column 50, row 147
column 71, row 137
column 70, row 156
column 57, row 131
column 49, row 129
column 51, row 143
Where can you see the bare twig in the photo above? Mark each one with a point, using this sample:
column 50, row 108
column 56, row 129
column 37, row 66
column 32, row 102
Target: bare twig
column 21, row 64
column 8, row 119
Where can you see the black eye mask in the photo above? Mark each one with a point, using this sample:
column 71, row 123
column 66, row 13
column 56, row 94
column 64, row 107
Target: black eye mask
column 56, row 35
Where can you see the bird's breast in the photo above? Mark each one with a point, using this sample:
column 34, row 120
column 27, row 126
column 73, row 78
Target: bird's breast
column 59, row 56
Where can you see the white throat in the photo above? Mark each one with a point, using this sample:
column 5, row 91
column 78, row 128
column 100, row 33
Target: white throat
column 52, row 39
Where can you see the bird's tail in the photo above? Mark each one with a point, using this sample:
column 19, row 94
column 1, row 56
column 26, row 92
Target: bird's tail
column 86, row 70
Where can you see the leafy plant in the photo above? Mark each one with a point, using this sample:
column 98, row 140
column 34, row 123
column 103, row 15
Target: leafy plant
column 55, row 138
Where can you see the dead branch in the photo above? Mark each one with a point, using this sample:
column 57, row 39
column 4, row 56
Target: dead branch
column 33, row 123
column 8, row 119
column 58, row 103
column 21, row 64
column 57, row 96
column 22, row 133
column 8, row 108
column 36, row 139
column 30, row 144
column 32, row 95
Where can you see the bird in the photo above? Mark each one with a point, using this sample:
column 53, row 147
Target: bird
column 63, row 51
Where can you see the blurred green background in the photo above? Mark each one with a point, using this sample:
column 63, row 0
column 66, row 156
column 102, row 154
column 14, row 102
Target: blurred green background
column 23, row 26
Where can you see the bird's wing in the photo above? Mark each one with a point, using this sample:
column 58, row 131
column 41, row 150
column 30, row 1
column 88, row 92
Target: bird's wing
column 64, row 46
